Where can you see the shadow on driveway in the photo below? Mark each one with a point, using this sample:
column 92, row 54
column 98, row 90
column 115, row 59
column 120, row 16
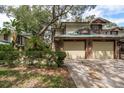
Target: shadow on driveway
column 97, row 73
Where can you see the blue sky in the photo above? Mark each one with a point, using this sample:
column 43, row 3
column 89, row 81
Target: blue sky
column 112, row 13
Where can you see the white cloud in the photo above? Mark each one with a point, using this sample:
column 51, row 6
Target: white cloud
column 102, row 10
column 118, row 21
column 108, row 12
column 3, row 18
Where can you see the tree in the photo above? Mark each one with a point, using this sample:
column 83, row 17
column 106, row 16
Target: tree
column 30, row 18
column 2, row 8
column 12, row 28
column 37, row 19
column 6, row 28
column 89, row 18
column 63, row 12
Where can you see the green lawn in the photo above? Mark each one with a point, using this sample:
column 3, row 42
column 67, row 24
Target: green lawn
column 34, row 77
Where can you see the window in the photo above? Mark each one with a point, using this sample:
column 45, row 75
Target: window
column 19, row 40
column 108, row 33
column 96, row 27
column 103, row 32
column 82, row 31
column 114, row 32
column 5, row 36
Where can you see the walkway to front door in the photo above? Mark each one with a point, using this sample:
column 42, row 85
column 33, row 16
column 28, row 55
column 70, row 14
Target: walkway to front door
column 97, row 73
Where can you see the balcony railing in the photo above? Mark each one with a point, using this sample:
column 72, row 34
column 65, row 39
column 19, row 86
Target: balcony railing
column 85, row 32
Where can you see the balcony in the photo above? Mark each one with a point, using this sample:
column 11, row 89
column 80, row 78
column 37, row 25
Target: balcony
column 87, row 32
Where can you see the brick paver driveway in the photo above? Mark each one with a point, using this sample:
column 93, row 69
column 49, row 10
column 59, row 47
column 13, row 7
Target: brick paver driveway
column 97, row 73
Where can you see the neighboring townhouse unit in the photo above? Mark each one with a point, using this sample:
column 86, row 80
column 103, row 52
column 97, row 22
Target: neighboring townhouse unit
column 5, row 38
column 20, row 39
column 88, row 40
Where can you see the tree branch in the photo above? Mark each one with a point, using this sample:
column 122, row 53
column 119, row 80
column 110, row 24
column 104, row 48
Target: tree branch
column 63, row 12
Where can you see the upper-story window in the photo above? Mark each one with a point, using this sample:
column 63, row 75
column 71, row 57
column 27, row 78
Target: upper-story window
column 96, row 27
column 114, row 32
column 97, row 24
column 82, row 31
column 104, row 32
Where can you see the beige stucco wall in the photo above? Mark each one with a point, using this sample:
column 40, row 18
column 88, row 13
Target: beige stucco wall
column 1, row 37
column 71, row 27
column 74, row 49
column 103, row 50
column 121, row 32
column 10, row 38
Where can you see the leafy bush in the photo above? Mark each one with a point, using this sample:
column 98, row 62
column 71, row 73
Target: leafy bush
column 32, row 56
column 35, row 43
column 6, row 48
column 2, row 55
column 60, row 57
column 36, row 49
column 12, row 55
column 8, row 54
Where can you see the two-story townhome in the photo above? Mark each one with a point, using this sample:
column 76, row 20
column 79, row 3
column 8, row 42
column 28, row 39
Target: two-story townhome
column 88, row 40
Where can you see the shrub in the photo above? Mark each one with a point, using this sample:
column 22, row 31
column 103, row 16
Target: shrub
column 32, row 56
column 2, row 55
column 8, row 54
column 50, row 57
column 60, row 56
column 37, row 49
column 6, row 48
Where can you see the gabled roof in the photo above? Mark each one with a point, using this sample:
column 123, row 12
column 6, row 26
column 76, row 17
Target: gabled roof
column 116, row 29
column 99, row 20
column 75, row 22
column 113, row 29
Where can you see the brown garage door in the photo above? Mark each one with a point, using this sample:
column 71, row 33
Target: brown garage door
column 74, row 49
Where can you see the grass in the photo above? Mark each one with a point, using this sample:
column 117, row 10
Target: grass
column 45, row 77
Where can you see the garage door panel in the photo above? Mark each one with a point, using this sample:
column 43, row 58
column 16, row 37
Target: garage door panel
column 103, row 50
column 103, row 54
column 74, row 54
column 74, row 50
